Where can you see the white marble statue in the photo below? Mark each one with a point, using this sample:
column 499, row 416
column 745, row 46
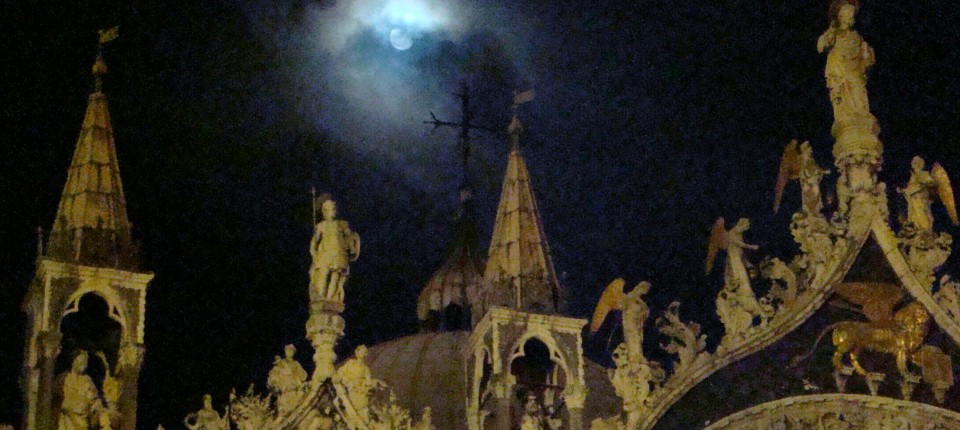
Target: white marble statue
column 848, row 59
column 333, row 247
column 287, row 380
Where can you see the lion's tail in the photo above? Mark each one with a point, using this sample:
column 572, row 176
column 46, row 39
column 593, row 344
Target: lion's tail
column 798, row 359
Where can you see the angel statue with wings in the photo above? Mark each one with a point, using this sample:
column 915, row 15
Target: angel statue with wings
column 736, row 304
column 797, row 163
column 918, row 194
column 635, row 313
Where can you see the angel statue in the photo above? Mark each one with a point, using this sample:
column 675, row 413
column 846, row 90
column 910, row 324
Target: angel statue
column 847, row 64
column 797, row 162
column 736, row 304
column 333, row 247
column 918, row 195
column 635, row 313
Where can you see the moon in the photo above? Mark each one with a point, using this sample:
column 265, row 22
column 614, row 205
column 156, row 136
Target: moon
column 400, row 39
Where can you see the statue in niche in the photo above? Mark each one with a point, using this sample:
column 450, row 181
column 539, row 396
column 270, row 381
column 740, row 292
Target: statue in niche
column 535, row 418
column 82, row 408
column 848, row 59
column 797, row 163
column 333, row 247
column 919, row 195
column 207, row 418
column 736, row 304
column 287, row 380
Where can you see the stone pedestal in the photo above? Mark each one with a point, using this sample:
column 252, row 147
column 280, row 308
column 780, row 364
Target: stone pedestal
column 324, row 328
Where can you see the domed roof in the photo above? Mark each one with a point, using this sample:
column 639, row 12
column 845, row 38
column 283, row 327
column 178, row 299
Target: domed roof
column 427, row 370
column 462, row 267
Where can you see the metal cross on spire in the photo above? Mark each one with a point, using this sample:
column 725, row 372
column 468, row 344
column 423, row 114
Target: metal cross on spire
column 465, row 125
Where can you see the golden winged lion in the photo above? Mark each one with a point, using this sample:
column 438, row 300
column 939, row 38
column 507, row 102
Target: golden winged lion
column 902, row 336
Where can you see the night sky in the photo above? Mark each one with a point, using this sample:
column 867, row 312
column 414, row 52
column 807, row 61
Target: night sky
column 652, row 118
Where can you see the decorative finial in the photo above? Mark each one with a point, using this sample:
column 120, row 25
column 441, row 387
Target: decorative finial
column 100, row 66
column 516, row 128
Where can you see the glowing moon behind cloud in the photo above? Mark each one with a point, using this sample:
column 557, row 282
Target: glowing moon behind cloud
column 400, row 39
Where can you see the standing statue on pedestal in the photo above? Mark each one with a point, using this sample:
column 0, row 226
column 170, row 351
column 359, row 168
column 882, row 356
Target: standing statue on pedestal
column 847, row 64
column 81, row 408
column 333, row 247
column 287, row 380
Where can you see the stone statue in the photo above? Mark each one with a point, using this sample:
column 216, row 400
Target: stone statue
column 736, row 304
column 333, row 247
column 797, row 162
column 207, row 418
column 81, row 408
column 355, row 375
column 848, row 59
column 919, row 194
column 426, row 420
column 287, row 380
column 635, row 312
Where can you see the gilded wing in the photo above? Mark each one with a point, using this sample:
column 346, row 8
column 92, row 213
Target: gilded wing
column 611, row 299
column 789, row 170
column 718, row 241
column 876, row 299
column 945, row 191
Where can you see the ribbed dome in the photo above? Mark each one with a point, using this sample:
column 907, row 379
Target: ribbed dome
column 427, row 370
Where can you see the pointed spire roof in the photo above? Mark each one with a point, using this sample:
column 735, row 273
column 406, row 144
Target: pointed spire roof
column 519, row 272
column 91, row 226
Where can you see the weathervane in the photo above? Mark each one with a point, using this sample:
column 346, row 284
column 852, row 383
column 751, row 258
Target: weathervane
column 465, row 125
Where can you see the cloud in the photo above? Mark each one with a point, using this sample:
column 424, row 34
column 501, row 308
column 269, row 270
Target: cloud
column 339, row 24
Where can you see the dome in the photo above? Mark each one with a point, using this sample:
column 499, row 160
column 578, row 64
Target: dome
column 427, row 370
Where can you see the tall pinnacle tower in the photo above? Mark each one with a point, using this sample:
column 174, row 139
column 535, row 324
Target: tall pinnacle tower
column 519, row 272
column 90, row 261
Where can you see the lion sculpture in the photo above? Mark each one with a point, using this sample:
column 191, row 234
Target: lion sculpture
column 901, row 336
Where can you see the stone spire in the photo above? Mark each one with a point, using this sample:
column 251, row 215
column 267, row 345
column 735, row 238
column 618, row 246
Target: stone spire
column 519, row 272
column 91, row 227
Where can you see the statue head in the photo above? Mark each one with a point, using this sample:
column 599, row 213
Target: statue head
column 329, row 208
column 79, row 364
column 289, row 350
column 360, row 352
column 845, row 15
column 207, row 402
column 742, row 225
column 917, row 164
column 531, row 405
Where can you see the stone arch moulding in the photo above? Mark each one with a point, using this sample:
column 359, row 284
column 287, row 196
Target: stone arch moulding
column 823, row 410
column 115, row 310
column 516, row 350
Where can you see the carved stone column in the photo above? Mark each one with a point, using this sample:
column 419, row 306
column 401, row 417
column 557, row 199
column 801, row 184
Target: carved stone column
column 49, row 344
column 324, row 328
column 574, row 397
column 502, row 391
column 130, row 362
